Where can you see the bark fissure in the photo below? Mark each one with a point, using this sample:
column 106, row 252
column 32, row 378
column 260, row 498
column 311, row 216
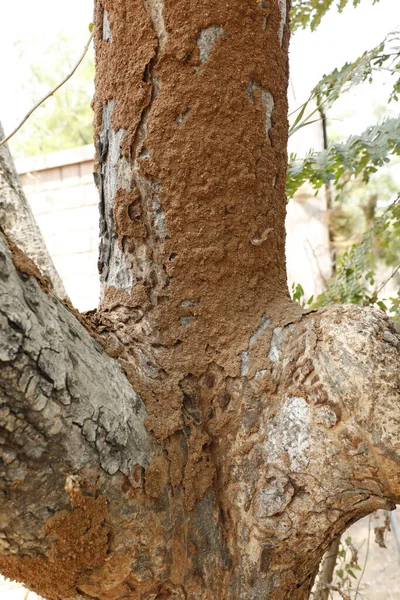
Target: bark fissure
column 147, row 264
column 237, row 483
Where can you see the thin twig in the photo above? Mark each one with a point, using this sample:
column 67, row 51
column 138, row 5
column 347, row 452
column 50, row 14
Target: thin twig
column 347, row 79
column 388, row 279
column 6, row 139
column 335, row 588
column 328, row 569
column 395, row 528
column 366, row 558
column 324, row 280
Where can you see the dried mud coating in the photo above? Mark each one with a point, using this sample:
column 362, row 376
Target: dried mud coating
column 192, row 177
column 249, row 434
column 195, row 168
column 192, row 180
column 206, row 134
column 25, row 265
column 81, row 541
column 191, row 133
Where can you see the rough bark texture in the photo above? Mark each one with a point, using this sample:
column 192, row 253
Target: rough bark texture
column 192, row 161
column 268, row 431
column 288, row 458
column 18, row 223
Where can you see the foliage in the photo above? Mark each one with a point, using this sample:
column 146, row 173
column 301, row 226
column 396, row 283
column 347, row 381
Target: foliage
column 348, row 170
column 354, row 280
column 348, row 564
column 384, row 56
column 344, row 166
column 360, row 155
column 65, row 120
column 309, row 13
column 347, row 571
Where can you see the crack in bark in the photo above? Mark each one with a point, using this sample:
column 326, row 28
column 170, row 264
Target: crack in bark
column 235, row 501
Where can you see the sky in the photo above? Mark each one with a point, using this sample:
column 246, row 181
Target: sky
column 312, row 54
column 36, row 25
column 341, row 38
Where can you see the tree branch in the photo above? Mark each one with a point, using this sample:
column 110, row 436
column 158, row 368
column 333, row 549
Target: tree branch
column 67, row 410
column 18, row 222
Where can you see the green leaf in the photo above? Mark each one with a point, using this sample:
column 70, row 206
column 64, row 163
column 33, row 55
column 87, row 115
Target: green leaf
column 386, row 55
column 300, row 115
column 359, row 156
column 355, row 269
column 309, row 13
column 91, row 27
column 350, row 572
column 340, row 573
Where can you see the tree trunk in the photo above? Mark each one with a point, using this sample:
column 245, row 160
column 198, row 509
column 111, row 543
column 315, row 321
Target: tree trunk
column 247, row 434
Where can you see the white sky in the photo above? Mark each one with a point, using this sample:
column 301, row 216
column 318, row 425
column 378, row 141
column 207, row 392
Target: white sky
column 338, row 39
column 342, row 38
column 38, row 24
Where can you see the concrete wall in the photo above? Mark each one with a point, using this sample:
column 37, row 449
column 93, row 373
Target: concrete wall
column 64, row 200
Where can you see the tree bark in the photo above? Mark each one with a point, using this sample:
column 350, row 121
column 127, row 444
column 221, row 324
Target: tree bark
column 18, row 222
column 247, row 434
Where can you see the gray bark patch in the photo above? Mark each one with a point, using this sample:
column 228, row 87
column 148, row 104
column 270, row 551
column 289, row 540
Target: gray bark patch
column 19, row 224
column 65, row 405
column 289, row 433
column 107, row 35
column 207, row 39
column 115, row 173
column 267, row 101
column 283, row 9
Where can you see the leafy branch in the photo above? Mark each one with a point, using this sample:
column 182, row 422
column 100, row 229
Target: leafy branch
column 354, row 278
column 361, row 155
column 385, row 55
column 346, row 563
column 309, row 13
